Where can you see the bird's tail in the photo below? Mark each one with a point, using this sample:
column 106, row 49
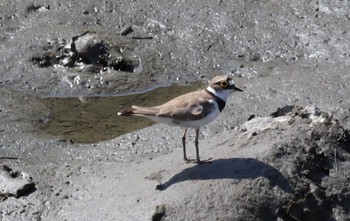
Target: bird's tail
column 126, row 112
column 138, row 111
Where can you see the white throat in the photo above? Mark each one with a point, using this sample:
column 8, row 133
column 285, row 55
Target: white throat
column 222, row 94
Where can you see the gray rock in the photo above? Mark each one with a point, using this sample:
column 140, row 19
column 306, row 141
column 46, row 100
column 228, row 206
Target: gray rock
column 297, row 158
column 159, row 213
column 16, row 184
column 89, row 47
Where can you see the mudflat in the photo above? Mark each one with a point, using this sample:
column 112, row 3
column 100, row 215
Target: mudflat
column 289, row 161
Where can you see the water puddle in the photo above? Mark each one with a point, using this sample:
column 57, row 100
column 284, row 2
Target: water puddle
column 93, row 119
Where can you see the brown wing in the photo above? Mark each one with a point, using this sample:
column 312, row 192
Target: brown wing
column 194, row 105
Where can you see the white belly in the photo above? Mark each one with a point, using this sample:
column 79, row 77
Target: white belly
column 202, row 122
column 188, row 124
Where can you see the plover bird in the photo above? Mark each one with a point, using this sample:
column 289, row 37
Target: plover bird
column 192, row 110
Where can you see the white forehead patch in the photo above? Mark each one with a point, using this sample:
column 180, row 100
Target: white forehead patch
column 231, row 82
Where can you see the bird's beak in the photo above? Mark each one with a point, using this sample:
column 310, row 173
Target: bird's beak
column 237, row 88
column 233, row 86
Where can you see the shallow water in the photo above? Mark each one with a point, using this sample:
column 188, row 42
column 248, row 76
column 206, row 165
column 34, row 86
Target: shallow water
column 93, row 119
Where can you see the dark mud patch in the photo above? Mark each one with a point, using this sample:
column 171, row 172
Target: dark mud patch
column 93, row 119
column 87, row 52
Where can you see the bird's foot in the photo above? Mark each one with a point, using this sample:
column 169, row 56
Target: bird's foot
column 197, row 161
column 204, row 161
column 189, row 160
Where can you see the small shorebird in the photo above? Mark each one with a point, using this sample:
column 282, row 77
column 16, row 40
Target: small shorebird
column 191, row 110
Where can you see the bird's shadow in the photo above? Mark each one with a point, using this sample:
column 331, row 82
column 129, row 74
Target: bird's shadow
column 232, row 168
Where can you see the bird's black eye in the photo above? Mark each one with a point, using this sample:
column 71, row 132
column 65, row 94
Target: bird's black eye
column 224, row 83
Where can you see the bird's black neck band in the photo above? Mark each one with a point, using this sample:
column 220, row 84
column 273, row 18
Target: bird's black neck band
column 221, row 103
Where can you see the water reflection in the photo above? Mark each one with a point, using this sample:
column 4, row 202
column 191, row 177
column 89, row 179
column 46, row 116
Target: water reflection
column 92, row 119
